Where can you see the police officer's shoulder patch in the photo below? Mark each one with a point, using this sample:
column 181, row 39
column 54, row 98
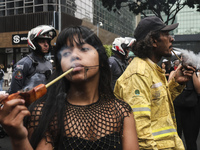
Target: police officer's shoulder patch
column 18, row 75
column 20, row 67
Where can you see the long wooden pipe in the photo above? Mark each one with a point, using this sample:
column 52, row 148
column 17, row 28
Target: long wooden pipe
column 176, row 56
column 35, row 93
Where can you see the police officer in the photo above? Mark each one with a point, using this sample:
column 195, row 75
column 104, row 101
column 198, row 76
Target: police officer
column 118, row 63
column 34, row 69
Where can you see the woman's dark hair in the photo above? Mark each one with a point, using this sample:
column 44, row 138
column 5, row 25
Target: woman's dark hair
column 143, row 48
column 54, row 100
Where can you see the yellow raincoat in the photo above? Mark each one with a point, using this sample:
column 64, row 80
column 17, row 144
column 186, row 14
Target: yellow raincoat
column 144, row 86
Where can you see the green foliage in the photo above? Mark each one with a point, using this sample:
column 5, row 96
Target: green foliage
column 169, row 7
column 108, row 50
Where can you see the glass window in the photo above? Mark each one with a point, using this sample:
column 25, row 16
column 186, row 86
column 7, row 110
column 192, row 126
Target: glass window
column 10, row 5
column 52, row 1
column 29, row 10
column 2, row 4
column 28, row 4
column 19, row 4
column 19, row 11
column 10, row 12
column 2, row 7
column 63, row 1
column 38, row 8
column 2, row 13
column 51, row 7
column 38, row 2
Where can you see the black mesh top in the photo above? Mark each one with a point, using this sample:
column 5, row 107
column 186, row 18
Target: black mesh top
column 92, row 127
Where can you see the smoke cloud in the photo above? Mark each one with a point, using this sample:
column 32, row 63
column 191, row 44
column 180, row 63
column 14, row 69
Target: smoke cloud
column 190, row 58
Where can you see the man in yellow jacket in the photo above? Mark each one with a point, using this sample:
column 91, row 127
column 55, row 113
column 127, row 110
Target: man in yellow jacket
column 144, row 86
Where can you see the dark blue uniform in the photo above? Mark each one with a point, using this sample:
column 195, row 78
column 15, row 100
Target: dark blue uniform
column 117, row 67
column 29, row 72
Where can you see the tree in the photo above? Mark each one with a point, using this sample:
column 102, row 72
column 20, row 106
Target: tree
column 169, row 7
column 108, row 49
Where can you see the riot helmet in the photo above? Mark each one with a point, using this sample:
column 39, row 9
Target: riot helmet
column 40, row 32
column 122, row 45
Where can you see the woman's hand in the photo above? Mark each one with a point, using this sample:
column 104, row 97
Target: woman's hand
column 12, row 114
column 3, row 96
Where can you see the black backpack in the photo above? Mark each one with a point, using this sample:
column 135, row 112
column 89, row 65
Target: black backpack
column 1, row 74
column 188, row 98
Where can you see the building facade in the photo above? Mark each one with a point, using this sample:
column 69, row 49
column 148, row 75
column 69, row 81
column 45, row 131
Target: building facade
column 189, row 20
column 17, row 17
column 187, row 35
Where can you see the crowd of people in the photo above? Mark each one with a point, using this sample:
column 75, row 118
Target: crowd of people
column 1, row 76
column 104, row 103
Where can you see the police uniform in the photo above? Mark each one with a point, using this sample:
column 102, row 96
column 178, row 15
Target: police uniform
column 117, row 67
column 29, row 72
column 144, row 86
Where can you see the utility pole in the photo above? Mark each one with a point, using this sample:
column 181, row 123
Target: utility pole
column 59, row 16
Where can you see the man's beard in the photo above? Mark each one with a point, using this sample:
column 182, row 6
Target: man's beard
column 168, row 55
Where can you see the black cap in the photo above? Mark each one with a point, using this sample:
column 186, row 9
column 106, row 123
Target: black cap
column 152, row 23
